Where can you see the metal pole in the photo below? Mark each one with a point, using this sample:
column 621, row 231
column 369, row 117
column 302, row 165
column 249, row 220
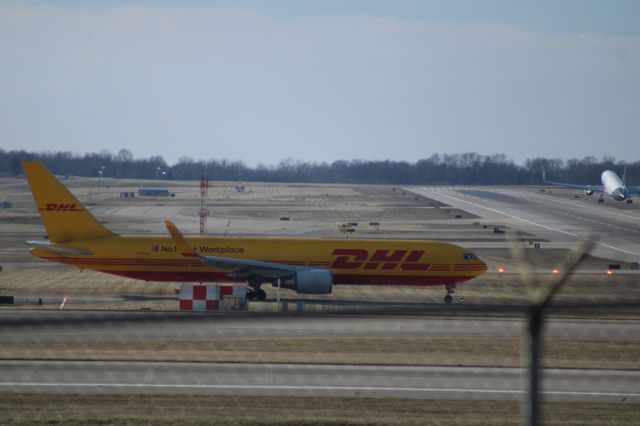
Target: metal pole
column 539, row 298
column 534, row 351
column 278, row 296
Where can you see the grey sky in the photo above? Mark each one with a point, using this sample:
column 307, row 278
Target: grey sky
column 319, row 81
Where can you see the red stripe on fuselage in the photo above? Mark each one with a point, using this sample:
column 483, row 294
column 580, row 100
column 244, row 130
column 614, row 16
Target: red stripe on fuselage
column 338, row 279
column 415, row 280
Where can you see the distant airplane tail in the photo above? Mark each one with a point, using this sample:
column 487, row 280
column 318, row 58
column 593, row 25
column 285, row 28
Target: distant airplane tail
column 64, row 217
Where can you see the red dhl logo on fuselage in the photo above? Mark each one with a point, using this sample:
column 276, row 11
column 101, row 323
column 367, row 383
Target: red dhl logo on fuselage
column 56, row 207
column 358, row 258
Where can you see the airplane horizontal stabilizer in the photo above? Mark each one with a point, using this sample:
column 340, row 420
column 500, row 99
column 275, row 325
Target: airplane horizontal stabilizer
column 46, row 245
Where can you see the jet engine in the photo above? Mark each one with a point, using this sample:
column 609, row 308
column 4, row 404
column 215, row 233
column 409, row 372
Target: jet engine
column 588, row 191
column 310, row 281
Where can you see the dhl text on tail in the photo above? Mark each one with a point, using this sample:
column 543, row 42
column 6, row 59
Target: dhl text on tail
column 306, row 265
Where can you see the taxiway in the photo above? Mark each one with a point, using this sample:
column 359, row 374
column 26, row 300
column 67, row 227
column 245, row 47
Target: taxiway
column 487, row 383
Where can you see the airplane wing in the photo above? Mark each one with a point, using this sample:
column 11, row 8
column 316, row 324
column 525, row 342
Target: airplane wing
column 633, row 190
column 237, row 267
column 594, row 188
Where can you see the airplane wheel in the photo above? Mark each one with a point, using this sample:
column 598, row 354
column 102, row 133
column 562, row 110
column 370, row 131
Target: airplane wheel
column 448, row 298
column 629, row 201
column 260, row 294
column 251, row 294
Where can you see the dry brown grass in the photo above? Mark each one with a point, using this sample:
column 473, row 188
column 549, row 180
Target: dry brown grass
column 47, row 278
column 591, row 354
column 315, row 204
column 41, row 409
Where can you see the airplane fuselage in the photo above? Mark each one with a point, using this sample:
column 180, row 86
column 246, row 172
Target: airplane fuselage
column 305, row 265
column 383, row 262
column 614, row 186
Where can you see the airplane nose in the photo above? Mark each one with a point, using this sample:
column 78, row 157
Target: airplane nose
column 484, row 265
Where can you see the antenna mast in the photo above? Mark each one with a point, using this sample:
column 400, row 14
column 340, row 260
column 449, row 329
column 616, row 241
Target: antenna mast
column 204, row 213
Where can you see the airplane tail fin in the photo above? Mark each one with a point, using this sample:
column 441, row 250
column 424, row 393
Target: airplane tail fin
column 64, row 217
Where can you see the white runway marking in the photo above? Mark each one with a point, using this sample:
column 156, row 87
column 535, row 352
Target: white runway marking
column 548, row 228
column 591, row 220
column 319, row 388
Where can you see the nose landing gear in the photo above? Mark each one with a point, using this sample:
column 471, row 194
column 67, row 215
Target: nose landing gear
column 450, row 290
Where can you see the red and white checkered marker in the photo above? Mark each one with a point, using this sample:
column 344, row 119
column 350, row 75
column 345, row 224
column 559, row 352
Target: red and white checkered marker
column 64, row 301
column 200, row 297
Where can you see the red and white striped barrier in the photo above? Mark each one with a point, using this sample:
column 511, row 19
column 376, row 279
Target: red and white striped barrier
column 209, row 297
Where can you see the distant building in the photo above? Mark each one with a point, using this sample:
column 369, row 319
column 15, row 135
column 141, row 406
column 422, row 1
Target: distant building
column 153, row 191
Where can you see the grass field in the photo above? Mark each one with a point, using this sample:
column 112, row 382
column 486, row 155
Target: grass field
column 34, row 409
column 591, row 354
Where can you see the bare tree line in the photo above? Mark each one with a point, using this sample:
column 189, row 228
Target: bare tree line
column 446, row 169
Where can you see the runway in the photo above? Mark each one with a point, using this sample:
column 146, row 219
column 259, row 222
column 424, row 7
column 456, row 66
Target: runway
column 313, row 380
column 79, row 326
column 550, row 217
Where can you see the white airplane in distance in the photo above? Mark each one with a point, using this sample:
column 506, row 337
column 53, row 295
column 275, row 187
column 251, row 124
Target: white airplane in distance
column 612, row 185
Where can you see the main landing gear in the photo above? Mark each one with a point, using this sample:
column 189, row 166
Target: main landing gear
column 629, row 201
column 450, row 290
column 254, row 292
column 258, row 294
column 601, row 199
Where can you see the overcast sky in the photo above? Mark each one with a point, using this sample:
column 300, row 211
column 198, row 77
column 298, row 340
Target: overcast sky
column 262, row 81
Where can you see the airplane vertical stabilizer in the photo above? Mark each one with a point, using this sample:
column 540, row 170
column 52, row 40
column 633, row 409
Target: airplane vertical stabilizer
column 64, row 217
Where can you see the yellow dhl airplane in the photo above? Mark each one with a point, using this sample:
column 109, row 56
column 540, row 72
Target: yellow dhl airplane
column 306, row 265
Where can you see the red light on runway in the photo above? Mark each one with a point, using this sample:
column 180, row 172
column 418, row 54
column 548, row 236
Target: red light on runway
column 501, row 270
column 609, row 272
column 555, row 271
